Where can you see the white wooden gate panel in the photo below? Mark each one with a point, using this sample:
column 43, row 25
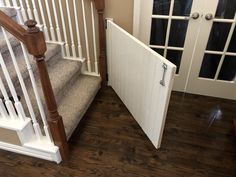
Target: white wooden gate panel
column 135, row 72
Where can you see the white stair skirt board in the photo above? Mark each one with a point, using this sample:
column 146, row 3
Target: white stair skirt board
column 23, row 129
column 29, row 144
column 142, row 79
column 34, row 149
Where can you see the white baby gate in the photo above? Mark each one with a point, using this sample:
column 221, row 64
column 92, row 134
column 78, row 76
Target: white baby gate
column 142, row 79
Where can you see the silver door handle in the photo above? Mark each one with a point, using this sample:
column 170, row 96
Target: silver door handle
column 162, row 82
column 209, row 16
column 195, row 15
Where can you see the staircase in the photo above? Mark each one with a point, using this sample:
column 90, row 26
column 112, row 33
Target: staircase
column 74, row 90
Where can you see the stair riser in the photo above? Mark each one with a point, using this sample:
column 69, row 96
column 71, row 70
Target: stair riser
column 51, row 59
column 28, row 84
column 66, row 87
column 59, row 92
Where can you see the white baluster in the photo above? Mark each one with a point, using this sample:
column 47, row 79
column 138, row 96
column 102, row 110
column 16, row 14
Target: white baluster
column 67, row 52
column 50, row 21
column 14, row 3
column 29, row 11
column 3, row 110
column 94, row 38
column 19, row 16
column 8, row 4
column 8, row 102
column 77, row 29
column 36, row 93
column 2, row 3
column 23, row 87
column 45, row 28
column 86, row 37
column 22, row 84
column 57, row 21
column 17, row 104
column 71, row 29
column 36, row 14
column 24, row 15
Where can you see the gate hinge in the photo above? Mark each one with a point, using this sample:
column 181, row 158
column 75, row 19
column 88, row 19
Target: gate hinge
column 107, row 77
column 106, row 19
column 105, row 23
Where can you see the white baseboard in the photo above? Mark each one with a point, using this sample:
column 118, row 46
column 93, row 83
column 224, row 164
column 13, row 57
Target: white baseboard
column 52, row 153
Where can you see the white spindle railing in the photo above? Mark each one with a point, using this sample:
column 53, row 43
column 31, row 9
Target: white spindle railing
column 57, row 22
column 29, row 11
column 13, row 109
column 24, row 89
column 17, row 103
column 86, row 37
column 67, row 49
column 23, row 11
column 77, row 29
column 94, row 38
column 45, row 28
column 35, row 11
column 52, row 32
column 2, row 3
column 8, row 3
column 14, row 2
column 3, row 110
column 8, row 103
column 71, row 29
column 62, row 23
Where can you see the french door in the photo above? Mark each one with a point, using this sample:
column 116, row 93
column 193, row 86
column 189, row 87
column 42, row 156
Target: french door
column 198, row 36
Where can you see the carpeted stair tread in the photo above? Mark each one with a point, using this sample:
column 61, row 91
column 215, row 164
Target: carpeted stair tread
column 77, row 100
column 60, row 76
column 52, row 50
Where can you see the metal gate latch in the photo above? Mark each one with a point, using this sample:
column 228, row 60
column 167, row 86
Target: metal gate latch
column 164, row 66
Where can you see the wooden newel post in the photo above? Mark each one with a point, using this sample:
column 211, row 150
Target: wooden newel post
column 38, row 48
column 100, row 6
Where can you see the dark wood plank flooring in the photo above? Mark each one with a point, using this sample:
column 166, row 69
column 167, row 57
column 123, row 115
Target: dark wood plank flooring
column 109, row 143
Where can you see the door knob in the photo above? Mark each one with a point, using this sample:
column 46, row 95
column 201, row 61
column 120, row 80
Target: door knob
column 195, row 15
column 209, row 17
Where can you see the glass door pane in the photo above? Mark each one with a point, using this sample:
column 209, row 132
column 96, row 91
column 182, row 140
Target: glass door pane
column 213, row 69
column 226, row 9
column 169, row 28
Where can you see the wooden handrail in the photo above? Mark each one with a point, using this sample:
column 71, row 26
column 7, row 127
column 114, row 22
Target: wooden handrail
column 12, row 27
column 100, row 6
column 28, row 37
column 35, row 43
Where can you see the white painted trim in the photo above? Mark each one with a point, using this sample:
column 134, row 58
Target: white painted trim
column 55, row 42
column 51, row 154
column 13, row 124
column 66, row 57
column 136, row 18
column 91, row 73
column 75, row 59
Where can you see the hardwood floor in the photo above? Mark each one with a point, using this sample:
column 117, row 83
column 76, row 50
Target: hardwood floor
column 109, row 143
